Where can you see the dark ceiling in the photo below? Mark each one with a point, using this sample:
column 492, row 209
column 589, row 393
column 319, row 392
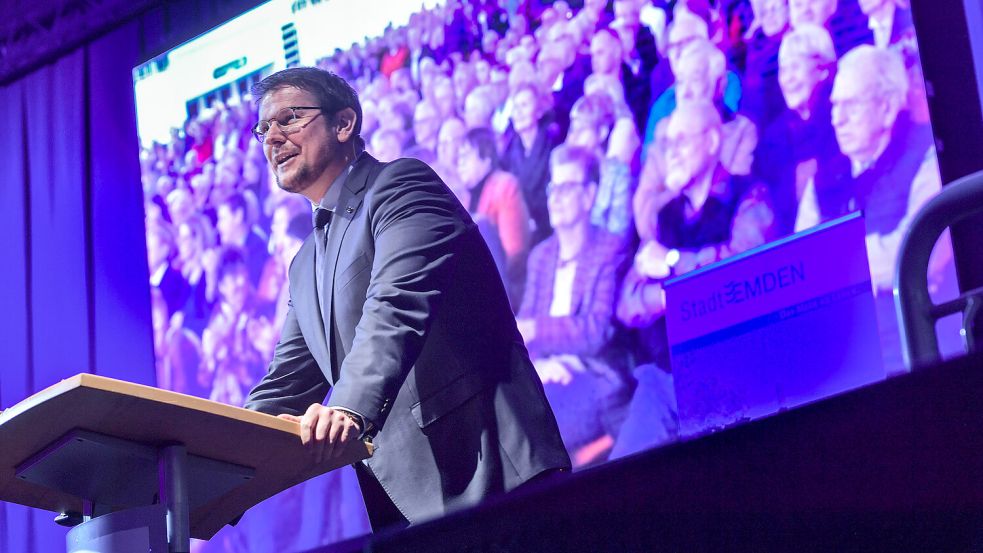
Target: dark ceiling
column 37, row 31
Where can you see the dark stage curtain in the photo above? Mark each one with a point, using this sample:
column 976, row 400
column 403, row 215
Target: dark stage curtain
column 74, row 292
column 73, row 289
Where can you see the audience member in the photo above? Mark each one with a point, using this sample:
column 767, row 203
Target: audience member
column 236, row 227
column 762, row 96
column 591, row 123
column 426, row 126
column 888, row 169
column 493, row 194
column 528, row 144
column 449, row 138
column 567, row 309
column 801, row 139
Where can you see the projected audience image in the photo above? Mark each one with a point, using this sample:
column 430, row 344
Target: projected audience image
column 600, row 147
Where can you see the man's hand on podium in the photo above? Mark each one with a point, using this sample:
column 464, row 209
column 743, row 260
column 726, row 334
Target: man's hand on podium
column 325, row 430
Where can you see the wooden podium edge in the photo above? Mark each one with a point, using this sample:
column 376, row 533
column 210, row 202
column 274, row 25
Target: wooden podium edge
column 208, row 520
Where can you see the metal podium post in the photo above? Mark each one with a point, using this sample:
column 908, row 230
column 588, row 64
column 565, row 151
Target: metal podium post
column 173, row 466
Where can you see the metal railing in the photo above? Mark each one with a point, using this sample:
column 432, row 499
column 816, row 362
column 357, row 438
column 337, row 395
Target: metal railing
column 917, row 313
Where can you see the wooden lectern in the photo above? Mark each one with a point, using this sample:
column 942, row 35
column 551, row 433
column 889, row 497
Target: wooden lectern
column 136, row 468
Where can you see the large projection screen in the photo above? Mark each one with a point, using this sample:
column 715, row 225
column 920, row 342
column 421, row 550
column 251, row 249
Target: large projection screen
column 717, row 127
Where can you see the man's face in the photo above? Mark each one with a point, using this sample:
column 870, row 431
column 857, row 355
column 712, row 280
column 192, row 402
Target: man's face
column 386, row 146
column 693, row 81
column 158, row 248
column 299, row 159
column 773, row 15
column 451, row 133
column 426, row 123
column 524, row 110
column 188, row 243
column 605, row 54
column 226, row 177
column 470, row 167
column 180, row 205
column 799, row 77
column 567, row 199
column 627, row 10
column 464, row 80
column 859, row 115
column 229, row 223
column 443, row 97
column 477, row 111
column 389, row 115
column 816, row 12
column 234, row 288
column 690, row 151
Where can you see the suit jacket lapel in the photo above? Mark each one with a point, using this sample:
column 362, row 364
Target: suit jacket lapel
column 304, row 297
column 348, row 203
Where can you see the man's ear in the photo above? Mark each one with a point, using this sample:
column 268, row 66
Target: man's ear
column 714, row 136
column 345, row 124
column 590, row 193
column 889, row 107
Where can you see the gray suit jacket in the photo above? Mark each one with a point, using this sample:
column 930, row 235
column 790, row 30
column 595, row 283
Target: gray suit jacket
column 421, row 341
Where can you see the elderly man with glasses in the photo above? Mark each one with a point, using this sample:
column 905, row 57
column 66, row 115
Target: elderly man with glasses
column 705, row 215
column 397, row 310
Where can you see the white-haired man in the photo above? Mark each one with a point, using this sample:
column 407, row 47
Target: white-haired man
column 711, row 215
column 701, row 79
column 888, row 168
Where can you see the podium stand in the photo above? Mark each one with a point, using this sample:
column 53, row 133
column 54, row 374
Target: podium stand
column 136, row 468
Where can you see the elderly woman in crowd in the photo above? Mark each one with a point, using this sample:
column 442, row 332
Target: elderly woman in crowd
column 530, row 139
column 591, row 122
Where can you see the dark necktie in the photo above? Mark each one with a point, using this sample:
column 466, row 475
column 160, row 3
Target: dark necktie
column 322, row 221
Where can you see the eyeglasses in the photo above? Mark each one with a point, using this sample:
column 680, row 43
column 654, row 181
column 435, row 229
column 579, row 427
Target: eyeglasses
column 564, row 189
column 681, row 141
column 851, row 108
column 288, row 121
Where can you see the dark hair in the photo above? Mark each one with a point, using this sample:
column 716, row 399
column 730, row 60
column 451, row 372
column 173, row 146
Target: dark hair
column 564, row 154
column 483, row 140
column 230, row 259
column 333, row 93
column 236, row 202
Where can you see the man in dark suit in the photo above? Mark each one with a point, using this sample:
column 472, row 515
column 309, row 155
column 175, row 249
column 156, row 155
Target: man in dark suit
column 398, row 310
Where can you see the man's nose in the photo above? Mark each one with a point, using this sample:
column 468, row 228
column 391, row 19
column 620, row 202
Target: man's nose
column 274, row 135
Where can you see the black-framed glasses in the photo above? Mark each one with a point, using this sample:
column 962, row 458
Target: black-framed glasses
column 287, row 119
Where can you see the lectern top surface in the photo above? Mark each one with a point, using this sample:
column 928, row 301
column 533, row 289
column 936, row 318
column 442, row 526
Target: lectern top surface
column 156, row 417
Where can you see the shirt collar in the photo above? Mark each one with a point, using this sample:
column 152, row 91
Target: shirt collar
column 330, row 199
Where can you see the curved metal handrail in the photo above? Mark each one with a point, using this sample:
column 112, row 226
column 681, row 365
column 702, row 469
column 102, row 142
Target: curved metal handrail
column 917, row 313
